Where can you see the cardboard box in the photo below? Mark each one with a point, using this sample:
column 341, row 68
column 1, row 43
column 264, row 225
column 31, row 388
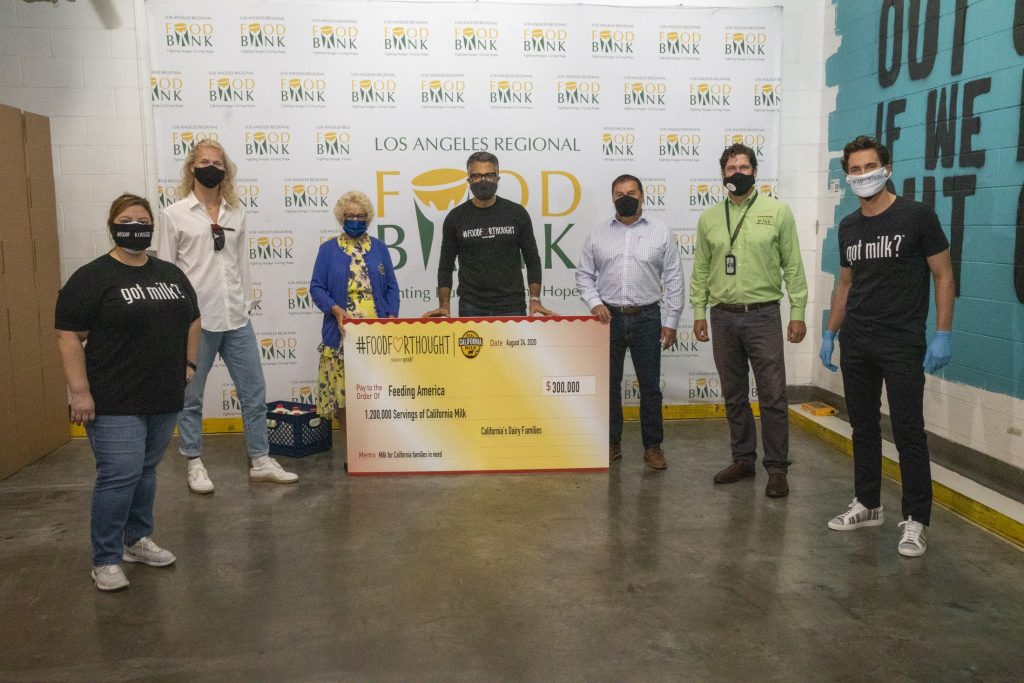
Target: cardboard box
column 39, row 163
column 32, row 384
column 29, row 429
column 12, row 145
column 9, row 458
column 55, row 425
column 14, row 214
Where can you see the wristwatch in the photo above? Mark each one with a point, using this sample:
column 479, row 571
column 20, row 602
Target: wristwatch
column 191, row 365
column 534, row 298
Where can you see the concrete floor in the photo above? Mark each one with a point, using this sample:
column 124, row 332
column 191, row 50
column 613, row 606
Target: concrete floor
column 631, row 575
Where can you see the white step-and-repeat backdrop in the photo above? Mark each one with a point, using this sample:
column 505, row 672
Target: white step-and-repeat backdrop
column 312, row 99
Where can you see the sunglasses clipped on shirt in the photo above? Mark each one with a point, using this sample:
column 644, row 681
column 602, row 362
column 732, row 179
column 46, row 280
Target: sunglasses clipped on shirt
column 218, row 235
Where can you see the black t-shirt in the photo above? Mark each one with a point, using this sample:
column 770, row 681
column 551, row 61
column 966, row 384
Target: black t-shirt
column 888, row 301
column 488, row 243
column 137, row 318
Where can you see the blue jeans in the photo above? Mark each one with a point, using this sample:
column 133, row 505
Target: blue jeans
column 641, row 334
column 127, row 449
column 241, row 355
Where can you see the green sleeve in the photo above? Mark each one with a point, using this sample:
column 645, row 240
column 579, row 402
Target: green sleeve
column 792, row 265
column 701, row 272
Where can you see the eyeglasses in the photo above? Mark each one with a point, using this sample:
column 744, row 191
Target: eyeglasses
column 356, row 216
column 477, row 177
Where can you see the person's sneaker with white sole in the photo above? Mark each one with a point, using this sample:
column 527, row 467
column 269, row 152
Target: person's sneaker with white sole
column 268, row 469
column 912, row 543
column 146, row 551
column 109, row 577
column 857, row 516
column 198, row 478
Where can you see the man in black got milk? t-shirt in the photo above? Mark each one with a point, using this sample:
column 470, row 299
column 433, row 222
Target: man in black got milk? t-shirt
column 488, row 235
column 887, row 249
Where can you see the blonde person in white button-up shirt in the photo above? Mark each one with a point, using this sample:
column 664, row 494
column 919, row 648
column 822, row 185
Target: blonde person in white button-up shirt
column 204, row 234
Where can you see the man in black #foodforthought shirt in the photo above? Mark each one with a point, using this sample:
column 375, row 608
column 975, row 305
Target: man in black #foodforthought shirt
column 887, row 248
column 488, row 234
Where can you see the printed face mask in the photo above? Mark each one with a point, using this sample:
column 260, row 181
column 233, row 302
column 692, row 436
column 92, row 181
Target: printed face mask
column 354, row 228
column 868, row 184
column 134, row 237
column 627, row 206
column 209, row 176
column 739, row 183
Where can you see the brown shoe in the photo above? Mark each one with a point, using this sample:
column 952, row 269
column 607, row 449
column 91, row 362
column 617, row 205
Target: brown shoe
column 739, row 469
column 777, row 486
column 655, row 458
column 614, row 452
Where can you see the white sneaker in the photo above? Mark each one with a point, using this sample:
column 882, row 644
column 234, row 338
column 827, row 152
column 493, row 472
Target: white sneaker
column 270, row 470
column 148, row 552
column 912, row 543
column 198, row 479
column 109, row 577
column 856, row 517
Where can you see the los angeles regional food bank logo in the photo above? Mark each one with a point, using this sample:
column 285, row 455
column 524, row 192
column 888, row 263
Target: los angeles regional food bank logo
column 189, row 34
column 374, row 90
column 303, row 90
column 767, row 94
column 335, row 38
column 546, row 41
column 476, row 39
column 611, row 41
column 618, row 143
column 232, row 89
column 470, row 344
column 442, row 90
column 745, row 44
column 679, row 42
column 262, row 34
column 184, row 138
column 407, row 39
column 279, row 349
column 166, row 88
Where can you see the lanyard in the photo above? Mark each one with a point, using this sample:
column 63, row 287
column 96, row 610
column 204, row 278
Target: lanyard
column 728, row 220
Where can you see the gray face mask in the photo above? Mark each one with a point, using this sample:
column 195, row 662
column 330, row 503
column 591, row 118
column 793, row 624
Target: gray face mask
column 483, row 189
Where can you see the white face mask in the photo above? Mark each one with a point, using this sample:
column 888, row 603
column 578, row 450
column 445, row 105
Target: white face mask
column 869, row 184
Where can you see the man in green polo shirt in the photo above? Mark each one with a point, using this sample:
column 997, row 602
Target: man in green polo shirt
column 746, row 248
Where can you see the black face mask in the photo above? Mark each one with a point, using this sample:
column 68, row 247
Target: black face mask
column 738, row 183
column 209, row 176
column 627, row 206
column 133, row 237
column 483, row 189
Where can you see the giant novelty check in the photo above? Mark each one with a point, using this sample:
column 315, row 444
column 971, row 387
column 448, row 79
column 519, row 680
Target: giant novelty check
column 476, row 394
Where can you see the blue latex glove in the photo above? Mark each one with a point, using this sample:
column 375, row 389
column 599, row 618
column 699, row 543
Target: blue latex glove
column 828, row 341
column 939, row 351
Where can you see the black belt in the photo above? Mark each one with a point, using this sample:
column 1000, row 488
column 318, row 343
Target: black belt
column 743, row 308
column 631, row 310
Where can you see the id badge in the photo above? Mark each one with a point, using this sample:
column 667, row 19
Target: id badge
column 730, row 264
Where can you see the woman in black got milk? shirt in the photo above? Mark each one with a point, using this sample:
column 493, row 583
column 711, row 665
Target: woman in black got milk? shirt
column 139, row 321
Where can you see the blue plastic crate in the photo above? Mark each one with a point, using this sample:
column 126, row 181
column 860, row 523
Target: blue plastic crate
column 297, row 436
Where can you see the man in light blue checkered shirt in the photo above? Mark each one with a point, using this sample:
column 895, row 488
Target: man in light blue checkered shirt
column 629, row 266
